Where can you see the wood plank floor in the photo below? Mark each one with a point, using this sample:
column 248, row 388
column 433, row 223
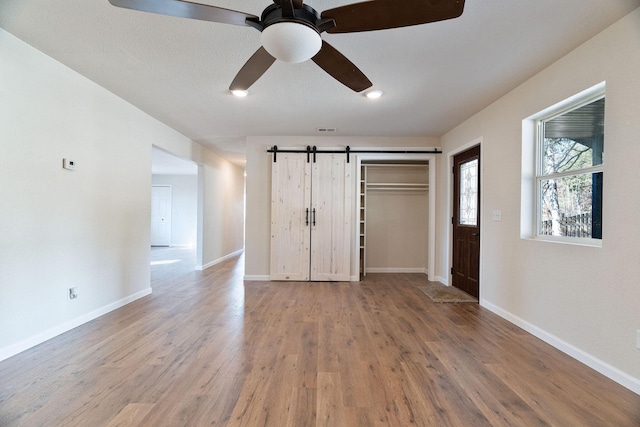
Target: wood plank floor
column 207, row 349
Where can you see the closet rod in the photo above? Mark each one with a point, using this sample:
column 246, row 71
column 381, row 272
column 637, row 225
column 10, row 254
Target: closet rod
column 347, row 150
column 396, row 165
column 398, row 189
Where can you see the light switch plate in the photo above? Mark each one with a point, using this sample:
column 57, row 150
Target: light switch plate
column 496, row 215
column 68, row 164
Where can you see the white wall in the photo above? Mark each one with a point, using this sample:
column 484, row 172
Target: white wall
column 184, row 207
column 223, row 212
column 88, row 228
column 258, row 187
column 397, row 232
column 584, row 300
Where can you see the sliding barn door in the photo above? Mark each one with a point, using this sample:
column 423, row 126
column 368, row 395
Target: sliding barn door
column 290, row 217
column 311, row 217
column 331, row 199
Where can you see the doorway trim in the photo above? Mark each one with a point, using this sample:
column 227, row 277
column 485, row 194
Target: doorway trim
column 431, row 244
column 449, row 243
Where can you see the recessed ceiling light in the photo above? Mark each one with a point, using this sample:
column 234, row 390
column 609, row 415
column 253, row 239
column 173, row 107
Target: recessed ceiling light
column 240, row 93
column 374, row 94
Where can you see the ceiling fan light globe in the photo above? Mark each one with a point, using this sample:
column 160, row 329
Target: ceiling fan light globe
column 291, row 42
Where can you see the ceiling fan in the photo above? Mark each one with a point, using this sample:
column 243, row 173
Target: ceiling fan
column 291, row 30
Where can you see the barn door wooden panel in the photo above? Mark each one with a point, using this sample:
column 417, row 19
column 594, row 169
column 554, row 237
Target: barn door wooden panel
column 290, row 217
column 331, row 200
column 311, row 200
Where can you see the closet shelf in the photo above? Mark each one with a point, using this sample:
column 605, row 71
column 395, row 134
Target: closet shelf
column 397, row 186
column 396, row 165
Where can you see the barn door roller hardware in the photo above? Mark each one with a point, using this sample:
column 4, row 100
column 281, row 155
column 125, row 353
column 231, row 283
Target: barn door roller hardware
column 347, row 150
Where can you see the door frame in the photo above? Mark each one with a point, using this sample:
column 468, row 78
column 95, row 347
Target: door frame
column 450, row 164
column 431, row 244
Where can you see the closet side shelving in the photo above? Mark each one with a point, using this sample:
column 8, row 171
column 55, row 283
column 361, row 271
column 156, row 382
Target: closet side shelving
column 362, row 217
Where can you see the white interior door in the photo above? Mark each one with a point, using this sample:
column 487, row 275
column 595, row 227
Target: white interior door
column 290, row 217
column 161, row 215
column 331, row 212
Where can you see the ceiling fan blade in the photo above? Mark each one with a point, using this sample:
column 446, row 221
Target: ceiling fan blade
column 340, row 68
column 252, row 70
column 185, row 9
column 385, row 14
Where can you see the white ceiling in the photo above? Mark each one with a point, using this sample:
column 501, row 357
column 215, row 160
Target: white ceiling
column 433, row 76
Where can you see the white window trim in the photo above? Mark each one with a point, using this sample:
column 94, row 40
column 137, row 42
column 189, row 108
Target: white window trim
column 532, row 167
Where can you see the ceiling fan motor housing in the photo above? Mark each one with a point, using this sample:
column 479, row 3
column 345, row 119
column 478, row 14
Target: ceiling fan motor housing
column 291, row 38
column 306, row 15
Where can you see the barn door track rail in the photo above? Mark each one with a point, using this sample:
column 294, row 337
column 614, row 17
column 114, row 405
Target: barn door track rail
column 313, row 151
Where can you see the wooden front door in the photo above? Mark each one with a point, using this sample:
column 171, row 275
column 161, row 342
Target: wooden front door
column 466, row 221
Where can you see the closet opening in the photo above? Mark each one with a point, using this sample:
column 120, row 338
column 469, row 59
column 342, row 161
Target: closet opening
column 395, row 214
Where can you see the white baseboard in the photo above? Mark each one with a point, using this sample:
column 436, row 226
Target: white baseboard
column 396, row 270
column 219, row 260
column 591, row 361
column 266, row 278
column 34, row 340
column 257, row 278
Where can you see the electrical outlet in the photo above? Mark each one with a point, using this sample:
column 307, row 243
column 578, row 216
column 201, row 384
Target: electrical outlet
column 496, row 215
column 73, row 293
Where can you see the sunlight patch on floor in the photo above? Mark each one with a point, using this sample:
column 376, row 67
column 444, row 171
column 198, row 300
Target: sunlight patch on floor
column 168, row 261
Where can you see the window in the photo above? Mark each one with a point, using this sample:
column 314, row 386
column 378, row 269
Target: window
column 469, row 193
column 569, row 170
